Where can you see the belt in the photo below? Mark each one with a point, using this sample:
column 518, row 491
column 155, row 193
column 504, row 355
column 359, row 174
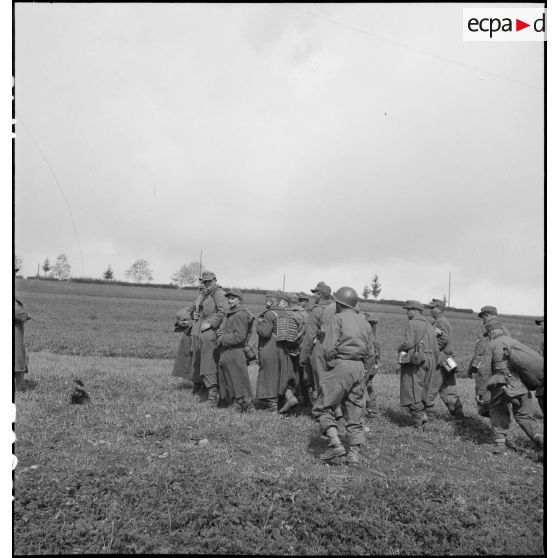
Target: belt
column 347, row 357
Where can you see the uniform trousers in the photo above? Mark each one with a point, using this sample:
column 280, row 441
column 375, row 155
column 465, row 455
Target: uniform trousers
column 205, row 356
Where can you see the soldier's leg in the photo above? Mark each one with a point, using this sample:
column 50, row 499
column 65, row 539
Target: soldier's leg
column 20, row 382
column 209, row 357
column 354, row 410
column 196, row 363
column 371, row 401
column 499, row 417
column 523, row 412
column 433, row 381
column 448, row 394
column 418, row 413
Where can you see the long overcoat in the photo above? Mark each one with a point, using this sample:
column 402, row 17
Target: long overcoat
column 20, row 317
column 234, row 381
column 412, row 387
column 183, row 361
column 268, row 375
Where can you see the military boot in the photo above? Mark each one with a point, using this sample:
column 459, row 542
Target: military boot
column 213, row 396
column 335, row 448
column 20, row 381
column 353, row 457
column 197, row 391
column 271, row 405
column 539, row 441
column 290, row 401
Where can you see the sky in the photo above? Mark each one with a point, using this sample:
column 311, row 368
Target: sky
column 320, row 142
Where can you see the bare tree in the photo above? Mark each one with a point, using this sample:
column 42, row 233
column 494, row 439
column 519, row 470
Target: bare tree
column 188, row 274
column 61, row 268
column 140, row 271
column 376, row 286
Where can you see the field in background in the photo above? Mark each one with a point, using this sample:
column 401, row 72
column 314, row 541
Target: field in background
column 143, row 468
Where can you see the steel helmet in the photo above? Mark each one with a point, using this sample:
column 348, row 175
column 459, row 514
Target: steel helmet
column 346, row 296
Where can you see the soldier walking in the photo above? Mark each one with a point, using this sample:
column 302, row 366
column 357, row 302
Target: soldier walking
column 207, row 313
column 234, row 381
column 506, row 388
column 442, row 381
column 348, row 351
column 421, row 350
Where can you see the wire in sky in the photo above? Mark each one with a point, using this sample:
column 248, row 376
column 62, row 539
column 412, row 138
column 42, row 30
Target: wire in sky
column 18, row 118
column 378, row 37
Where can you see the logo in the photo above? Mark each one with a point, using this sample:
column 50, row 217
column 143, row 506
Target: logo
column 504, row 24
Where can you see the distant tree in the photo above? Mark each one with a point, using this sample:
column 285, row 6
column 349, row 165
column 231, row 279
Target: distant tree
column 46, row 266
column 108, row 274
column 18, row 261
column 140, row 271
column 366, row 292
column 188, row 274
column 376, row 286
column 61, row 268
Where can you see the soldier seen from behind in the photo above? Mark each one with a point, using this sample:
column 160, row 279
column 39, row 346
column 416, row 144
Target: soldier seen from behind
column 506, row 387
column 418, row 357
column 442, row 379
column 234, row 381
column 207, row 313
column 348, row 349
column 20, row 356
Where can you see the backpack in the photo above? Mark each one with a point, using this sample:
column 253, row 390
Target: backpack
column 528, row 364
column 287, row 328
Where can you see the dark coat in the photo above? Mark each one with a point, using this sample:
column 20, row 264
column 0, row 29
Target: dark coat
column 211, row 306
column 20, row 317
column 183, row 360
column 268, row 375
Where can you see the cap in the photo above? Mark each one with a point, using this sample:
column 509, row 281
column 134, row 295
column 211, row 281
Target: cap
column 303, row 296
column 494, row 324
column 539, row 321
column 322, row 288
column 413, row 304
column 293, row 297
column 236, row 294
column 436, row 303
column 207, row 276
column 488, row 310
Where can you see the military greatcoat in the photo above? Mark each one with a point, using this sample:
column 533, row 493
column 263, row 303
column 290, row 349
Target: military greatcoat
column 20, row 317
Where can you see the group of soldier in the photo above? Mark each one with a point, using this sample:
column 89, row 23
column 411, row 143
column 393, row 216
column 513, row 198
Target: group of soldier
column 326, row 356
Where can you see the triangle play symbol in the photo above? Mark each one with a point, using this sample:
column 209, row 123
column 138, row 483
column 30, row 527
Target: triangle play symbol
column 519, row 25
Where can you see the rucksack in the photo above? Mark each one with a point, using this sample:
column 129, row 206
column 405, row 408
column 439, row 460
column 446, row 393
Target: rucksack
column 528, row 364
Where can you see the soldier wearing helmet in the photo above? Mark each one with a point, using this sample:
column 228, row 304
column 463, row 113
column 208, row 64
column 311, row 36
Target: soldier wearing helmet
column 420, row 351
column 442, row 381
column 348, row 351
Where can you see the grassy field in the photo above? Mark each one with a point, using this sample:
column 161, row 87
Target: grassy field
column 144, row 468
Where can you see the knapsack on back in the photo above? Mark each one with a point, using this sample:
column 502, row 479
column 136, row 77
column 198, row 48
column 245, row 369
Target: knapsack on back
column 528, row 364
column 287, row 328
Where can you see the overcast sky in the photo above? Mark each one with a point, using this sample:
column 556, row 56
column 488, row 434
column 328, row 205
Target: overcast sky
column 323, row 142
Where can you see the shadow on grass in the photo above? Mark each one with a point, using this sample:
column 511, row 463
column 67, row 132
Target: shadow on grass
column 400, row 418
column 316, row 444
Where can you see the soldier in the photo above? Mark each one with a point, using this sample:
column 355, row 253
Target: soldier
column 20, row 361
column 234, row 381
column 289, row 330
column 268, row 375
column 348, row 350
column 486, row 314
column 182, row 367
column 442, row 381
column 304, row 300
column 420, row 356
column 207, row 313
column 311, row 350
column 540, row 391
column 371, row 402
column 506, row 387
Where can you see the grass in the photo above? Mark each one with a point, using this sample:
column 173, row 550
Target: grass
column 144, row 468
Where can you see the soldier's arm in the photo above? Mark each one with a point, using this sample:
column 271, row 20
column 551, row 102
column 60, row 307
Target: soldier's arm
column 239, row 326
column 265, row 325
column 408, row 339
column 332, row 334
column 310, row 334
column 442, row 337
column 220, row 309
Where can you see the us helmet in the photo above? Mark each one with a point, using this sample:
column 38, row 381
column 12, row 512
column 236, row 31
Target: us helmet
column 346, row 296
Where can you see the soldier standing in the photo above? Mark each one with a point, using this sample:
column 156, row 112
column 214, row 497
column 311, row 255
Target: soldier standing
column 371, row 400
column 442, row 381
column 506, row 387
column 311, row 349
column 182, row 367
column 234, row 381
column 207, row 313
column 304, row 300
column 268, row 374
column 540, row 391
column 20, row 357
column 348, row 350
column 421, row 354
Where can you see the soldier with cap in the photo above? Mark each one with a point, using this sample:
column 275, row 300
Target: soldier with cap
column 182, row 367
column 419, row 354
column 348, row 349
column 207, row 313
column 234, row 381
column 442, row 381
column 20, row 357
column 506, row 387
column 540, row 391
column 370, row 393
column 268, row 374
column 486, row 314
column 311, row 349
